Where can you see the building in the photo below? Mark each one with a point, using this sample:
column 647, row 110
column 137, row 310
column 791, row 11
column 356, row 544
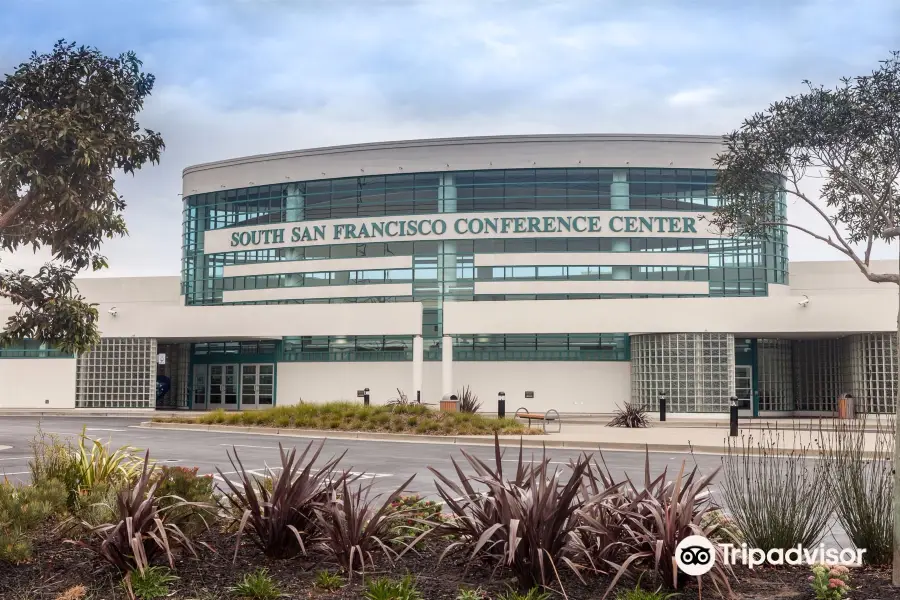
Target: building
column 573, row 272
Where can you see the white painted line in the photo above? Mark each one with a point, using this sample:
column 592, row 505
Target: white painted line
column 5, row 447
column 16, row 458
column 18, row 473
column 244, row 446
column 102, row 429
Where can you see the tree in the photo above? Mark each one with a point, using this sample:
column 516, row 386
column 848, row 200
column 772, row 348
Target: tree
column 67, row 123
column 848, row 139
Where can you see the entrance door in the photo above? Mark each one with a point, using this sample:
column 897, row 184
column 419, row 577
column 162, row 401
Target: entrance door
column 223, row 387
column 257, row 386
column 743, row 389
column 198, row 389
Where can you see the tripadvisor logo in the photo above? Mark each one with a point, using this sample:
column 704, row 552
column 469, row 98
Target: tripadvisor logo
column 695, row 555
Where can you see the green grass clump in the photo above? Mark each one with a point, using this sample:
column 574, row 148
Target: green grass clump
column 346, row 416
column 258, row 585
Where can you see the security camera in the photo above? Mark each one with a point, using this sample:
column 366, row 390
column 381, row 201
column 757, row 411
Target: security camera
column 803, row 303
column 113, row 312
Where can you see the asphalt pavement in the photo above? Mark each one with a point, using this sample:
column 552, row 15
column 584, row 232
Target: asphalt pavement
column 390, row 463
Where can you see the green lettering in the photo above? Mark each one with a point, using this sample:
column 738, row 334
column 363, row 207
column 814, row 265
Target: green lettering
column 387, row 229
column 235, row 239
column 476, row 226
column 412, row 228
column 593, row 224
column 439, row 227
column 338, row 230
column 364, row 231
column 583, row 228
column 305, row 237
column 378, row 229
column 520, row 225
column 458, row 229
column 506, row 221
column 534, row 225
column 646, row 224
column 631, row 224
column 296, row 234
column 489, row 224
column 674, row 225
column 549, row 225
column 350, row 231
column 564, row 223
column 612, row 224
column 689, row 225
column 246, row 238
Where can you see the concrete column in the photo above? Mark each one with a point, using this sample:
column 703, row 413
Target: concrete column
column 295, row 210
column 447, row 250
column 619, row 200
column 418, row 363
column 446, row 365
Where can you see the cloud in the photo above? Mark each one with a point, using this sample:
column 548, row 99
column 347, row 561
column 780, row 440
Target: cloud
column 236, row 77
column 695, row 97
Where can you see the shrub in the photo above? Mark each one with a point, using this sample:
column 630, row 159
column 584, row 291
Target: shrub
column 418, row 516
column 391, row 589
column 258, row 585
column 661, row 514
column 182, row 494
column 352, row 530
column 830, row 583
column 95, row 463
column 468, row 401
column 777, row 498
column 139, row 532
column 328, row 581
column 24, row 508
column 476, row 594
column 532, row 594
column 52, row 460
column 280, row 516
column 525, row 523
column 151, row 584
column 639, row 593
column 725, row 529
column 97, row 505
column 630, row 416
column 860, row 485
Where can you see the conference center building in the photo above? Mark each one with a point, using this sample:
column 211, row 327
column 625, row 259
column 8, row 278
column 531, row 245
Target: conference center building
column 573, row 272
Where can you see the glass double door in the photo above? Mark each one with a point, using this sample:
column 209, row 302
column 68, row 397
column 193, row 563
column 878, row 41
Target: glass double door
column 743, row 389
column 234, row 386
column 257, row 385
column 223, row 387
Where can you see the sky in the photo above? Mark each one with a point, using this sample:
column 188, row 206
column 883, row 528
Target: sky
column 241, row 77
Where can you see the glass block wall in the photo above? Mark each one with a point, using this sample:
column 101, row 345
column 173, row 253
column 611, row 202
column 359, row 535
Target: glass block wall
column 118, row 373
column 696, row 370
column 870, row 371
column 776, row 383
column 818, row 379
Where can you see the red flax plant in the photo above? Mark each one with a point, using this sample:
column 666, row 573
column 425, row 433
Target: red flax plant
column 659, row 515
column 352, row 530
column 141, row 531
column 280, row 519
column 526, row 524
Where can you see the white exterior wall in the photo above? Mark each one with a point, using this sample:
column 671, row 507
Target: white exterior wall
column 318, row 382
column 31, row 382
column 567, row 386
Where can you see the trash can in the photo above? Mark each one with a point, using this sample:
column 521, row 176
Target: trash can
column 846, row 407
column 450, row 403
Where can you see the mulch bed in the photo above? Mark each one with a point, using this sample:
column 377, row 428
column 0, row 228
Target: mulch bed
column 58, row 566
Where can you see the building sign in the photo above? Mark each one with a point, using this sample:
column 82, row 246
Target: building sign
column 458, row 226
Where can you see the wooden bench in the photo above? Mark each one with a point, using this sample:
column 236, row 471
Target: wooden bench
column 550, row 416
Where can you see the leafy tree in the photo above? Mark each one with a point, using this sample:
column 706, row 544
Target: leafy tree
column 848, row 140
column 67, row 123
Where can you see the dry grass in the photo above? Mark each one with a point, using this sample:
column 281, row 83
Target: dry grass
column 345, row 416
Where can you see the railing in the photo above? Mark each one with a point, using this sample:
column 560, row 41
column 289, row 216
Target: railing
column 354, row 356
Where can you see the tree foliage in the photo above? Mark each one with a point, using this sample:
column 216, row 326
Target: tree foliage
column 67, row 124
column 847, row 139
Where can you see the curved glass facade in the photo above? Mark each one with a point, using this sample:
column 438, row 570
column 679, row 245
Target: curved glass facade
column 446, row 270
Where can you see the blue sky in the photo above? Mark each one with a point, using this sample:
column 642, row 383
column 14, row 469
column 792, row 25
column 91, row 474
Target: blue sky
column 239, row 77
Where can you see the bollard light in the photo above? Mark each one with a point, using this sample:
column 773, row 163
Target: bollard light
column 501, row 405
column 733, row 420
column 366, row 397
column 662, row 406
